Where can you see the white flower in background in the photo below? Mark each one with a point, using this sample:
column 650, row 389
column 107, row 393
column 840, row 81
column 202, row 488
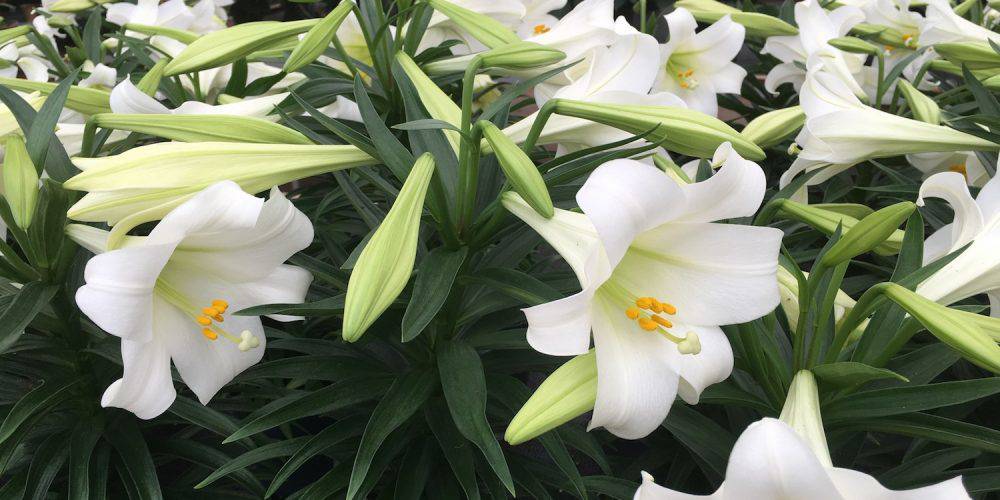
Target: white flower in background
column 175, row 14
column 697, row 66
column 966, row 163
column 537, row 18
column 771, row 461
column 127, row 98
column 658, row 276
column 167, row 295
column 944, row 25
column 977, row 269
column 896, row 14
column 441, row 28
column 817, row 26
column 28, row 59
column 591, row 24
column 42, row 26
column 101, row 76
column 621, row 73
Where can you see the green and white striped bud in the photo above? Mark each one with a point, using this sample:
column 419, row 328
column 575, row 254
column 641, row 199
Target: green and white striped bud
column 85, row 100
column 868, row 233
column 775, row 126
column 386, row 263
column 884, row 35
column 855, row 45
column 521, row 172
column 318, row 39
column 435, row 101
column 801, row 412
column 20, row 181
column 974, row 55
column 757, row 25
column 487, row 30
column 569, row 392
column 226, row 46
column 203, row 128
column 924, row 108
column 180, row 35
column 521, row 55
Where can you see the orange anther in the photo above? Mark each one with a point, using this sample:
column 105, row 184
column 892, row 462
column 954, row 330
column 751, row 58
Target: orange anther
column 209, row 334
column 209, row 311
column 632, row 312
column 203, row 320
column 664, row 322
column 647, row 324
column 668, row 308
column 644, row 302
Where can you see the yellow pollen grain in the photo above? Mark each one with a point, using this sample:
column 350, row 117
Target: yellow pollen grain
column 220, row 304
column 203, row 320
column 644, row 302
column 541, row 28
column 647, row 324
column 209, row 334
column 664, row 322
column 668, row 308
column 209, row 311
column 632, row 312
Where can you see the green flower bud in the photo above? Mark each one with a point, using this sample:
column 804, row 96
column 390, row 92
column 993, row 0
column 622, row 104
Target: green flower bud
column 12, row 33
column 826, row 221
column 868, row 233
column 519, row 169
column 974, row 55
column 386, row 263
column 487, row 30
column 318, row 38
column 71, row 5
column 685, row 131
column 951, row 326
column 788, row 290
column 775, row 126
column 924, row 108
column 569, row 392
column 203, row 128
column 180, row 35
column 151, row 80
column 757, row 25
column 801, row 412
column 86, row 101
column 855, row 45
column 884, row 35
column 521, row 55
column 225, row 46
column 435, row 101
column 964, row 7
column 20, row 181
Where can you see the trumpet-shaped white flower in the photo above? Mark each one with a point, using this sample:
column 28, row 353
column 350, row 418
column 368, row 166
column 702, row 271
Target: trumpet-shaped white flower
column 770, row 461
column 977, row 221
column 944, row 25
column 28, row 59
column 697, row 66
column 816, row 27
column 590, row 25
column 101, row 76
column 966, row 163
column 536, row 16
column 167, row 295
column 201, row 18
column 658, row 276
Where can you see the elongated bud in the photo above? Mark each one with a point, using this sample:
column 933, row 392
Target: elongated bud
column 685, row 131
column 203, row 128
column 20, row 181
column 385, row 264
column 868, row 233
column 855, row 45
column 827, row 221
column 569, row 392
column 521, row 55
column 151, row 80
column 775, row 126
column 12, row 33
column 757, row 25
column 788, row 289
column 155, row 178
column 85, row 100
column 318, row 38
column 884, row 35
column 519, row 169
column 951, row 326
column 180, row 35
column 435, row 101
column 974, row 55
column 924, row 108
column 71, row 5
column 801, row 413
column 226, row 46
column 487, row 30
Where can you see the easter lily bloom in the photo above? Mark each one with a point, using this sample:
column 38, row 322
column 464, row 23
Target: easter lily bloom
column 944, row 25
column 658, row 276
column 441, row 28
column 26, row 59
column 697, row 66
column 966, row 163
column 167, row 294
column 977, row 221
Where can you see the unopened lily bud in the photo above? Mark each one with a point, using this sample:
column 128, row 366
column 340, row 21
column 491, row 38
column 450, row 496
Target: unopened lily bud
column 757, row 25
column 801, row 412
column 155, row 178
column 487, row 30
column 386, row 263
column 435, row 101
column 519, row 169
column 884, row 35
column 70, row 5
column 151, row 80
column 924, row 108
column 827, row 221
column 788, row 290
column 775, row 126
column 855, row 45
column 318, row 38
column 20, row 181
column 951, row 326
column 12, row 33
column 203, row 128
column 569, row 392
column 226, row 46
column 868, row 233
column 180, row 35
column 521, row 55
column 974, row 55
column 685, row 131
column 85, row 100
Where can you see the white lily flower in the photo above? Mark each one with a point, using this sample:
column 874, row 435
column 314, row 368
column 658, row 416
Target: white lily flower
column 816, row 27
column 944, row 25
column 101, row 76
column 166, row 295
column 537, row 16
column 977, row 221
column 27, row 59
column 642, row 237
column 770, row 461
column 697, row 66
column 441, row 28
column 966, row 163
column 202, row 18
column 126, row 98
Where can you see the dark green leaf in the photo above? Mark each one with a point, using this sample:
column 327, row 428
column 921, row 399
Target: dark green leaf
column 435, row 277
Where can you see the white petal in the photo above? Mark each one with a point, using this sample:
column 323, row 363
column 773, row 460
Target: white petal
column 635, row 383
column 988, row 200
column 34, row 69
column 728, row 79
column 219, row 208
column 786, row 48
column 119, row 12
column 710, row 366
column 561, row 327
column 701, row 98
column 951, row 187
column 714, row 274
column 854, row 484
column 623, row 198
column 681, row 24
column 649, row 490
column 938, row 244
column 736, row 190
column 126, row 98
column 285, row 285
column 770, row 461
column 784, row 73
column 146, row 388
column 716, row 45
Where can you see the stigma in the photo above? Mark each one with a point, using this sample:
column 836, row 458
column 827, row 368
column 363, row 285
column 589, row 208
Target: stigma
column 647, row 314
column 541, row 29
